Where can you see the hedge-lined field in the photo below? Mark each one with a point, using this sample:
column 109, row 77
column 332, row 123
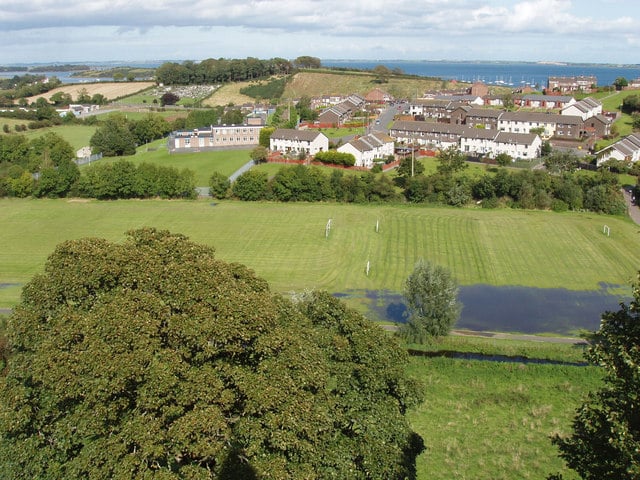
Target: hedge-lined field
column 286, row 243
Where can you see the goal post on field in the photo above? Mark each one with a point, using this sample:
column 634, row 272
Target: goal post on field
column 327, row 229
column 606, row 230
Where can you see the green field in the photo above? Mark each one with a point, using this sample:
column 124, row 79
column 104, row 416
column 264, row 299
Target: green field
column 491, row 421
column 286, row 244
column 203, row 164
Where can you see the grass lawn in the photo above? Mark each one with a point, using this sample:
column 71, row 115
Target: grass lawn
column 203, row 164
column 286, row 243
column 77, row 135
column 490, row 421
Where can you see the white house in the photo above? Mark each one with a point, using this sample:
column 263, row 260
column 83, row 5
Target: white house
column 290, row 140
column 585, row 108
column 626, row 149
column 369, row 148
column 518, row 145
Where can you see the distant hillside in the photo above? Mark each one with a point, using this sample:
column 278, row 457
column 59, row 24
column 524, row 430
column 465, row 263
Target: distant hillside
column 326, row 82
column 314, row 84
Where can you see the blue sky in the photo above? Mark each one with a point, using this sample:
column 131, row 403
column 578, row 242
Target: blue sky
column 600, row 31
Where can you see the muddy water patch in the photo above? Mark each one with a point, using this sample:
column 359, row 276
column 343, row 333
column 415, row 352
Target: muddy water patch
column 507, row 309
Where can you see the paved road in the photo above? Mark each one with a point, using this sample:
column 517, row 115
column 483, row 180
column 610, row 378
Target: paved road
column 634, row 210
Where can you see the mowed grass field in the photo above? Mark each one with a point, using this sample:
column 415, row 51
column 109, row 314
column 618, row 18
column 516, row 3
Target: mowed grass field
column 203, row 164
column 286, row 243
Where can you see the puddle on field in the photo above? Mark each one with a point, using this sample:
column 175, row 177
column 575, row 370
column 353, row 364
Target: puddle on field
column 506, row 309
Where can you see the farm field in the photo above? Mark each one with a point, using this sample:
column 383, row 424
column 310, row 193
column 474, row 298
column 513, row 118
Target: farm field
column 286, row 243
column 110, row 90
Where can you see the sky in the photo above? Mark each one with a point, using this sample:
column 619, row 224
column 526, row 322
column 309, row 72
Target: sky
column 68, row 31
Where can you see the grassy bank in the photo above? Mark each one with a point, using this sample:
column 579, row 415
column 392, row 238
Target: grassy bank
column 286, row 243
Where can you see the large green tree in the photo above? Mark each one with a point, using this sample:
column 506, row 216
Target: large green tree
column 153, row 359
column 114, row 137
column 431, row 296
column 605, row 441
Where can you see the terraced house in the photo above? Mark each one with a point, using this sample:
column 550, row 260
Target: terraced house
column 292, row 141
column 369, row 148
column 472, row 141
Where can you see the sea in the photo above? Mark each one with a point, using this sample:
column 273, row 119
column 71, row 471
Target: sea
column 515, row 74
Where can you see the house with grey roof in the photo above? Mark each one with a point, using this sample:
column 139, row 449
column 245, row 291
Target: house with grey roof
column 585, row 108
column 369, row 148
column 626, row 149
column 471, row 141
column 546, row 101
column 293, row 141
column 553, row 125
column 580, row 83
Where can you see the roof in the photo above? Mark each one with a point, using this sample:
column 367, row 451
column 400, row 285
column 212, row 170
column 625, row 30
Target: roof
column 548, row 98
column 297, row 135
column 626, row 145
column 370, row 142
column 540, row 117
column 516, row 138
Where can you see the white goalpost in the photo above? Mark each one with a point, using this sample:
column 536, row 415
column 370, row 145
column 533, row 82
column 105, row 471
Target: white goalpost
column 327, row 229
column 606, row 230
column 377, row 226
column 368, row 267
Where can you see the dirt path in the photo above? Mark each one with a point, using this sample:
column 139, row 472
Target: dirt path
column 507, row 336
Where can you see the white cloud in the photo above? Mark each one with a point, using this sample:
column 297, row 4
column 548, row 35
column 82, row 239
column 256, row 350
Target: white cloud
column 326, row 28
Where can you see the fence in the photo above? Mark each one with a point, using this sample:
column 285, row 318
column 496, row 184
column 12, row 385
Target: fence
column 89, row 159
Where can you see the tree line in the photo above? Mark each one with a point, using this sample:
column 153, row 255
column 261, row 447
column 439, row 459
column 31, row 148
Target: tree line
column 449, row 185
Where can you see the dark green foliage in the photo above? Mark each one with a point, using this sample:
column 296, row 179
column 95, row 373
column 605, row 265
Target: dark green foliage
column 630, row 104
column 123, row 179
column 169, row 98
column 334, row 157
column 561, row 162
column 211, row 71
column 219, row 185
column 451, row 160
column 605, row 441
column 503, row 159
column 265, row 136
column 306, row 61
column 409, row 167
column 251, row 186
column 114, row 138
column 273, row 88
column 153, row 359
column 203, row 118
column 431, row 296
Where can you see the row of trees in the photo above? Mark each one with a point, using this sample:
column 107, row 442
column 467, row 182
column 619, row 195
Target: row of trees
column 449, row 185
column 21, row 86
column 221, row 70
column 309, row 184
column 123, row 179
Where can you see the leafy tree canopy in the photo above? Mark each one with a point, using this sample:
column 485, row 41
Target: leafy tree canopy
column 151, row 358
column 431, row 295
column 605, row 441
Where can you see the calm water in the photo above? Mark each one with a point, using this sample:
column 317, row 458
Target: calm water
column 510, row 309
column 508, row 73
